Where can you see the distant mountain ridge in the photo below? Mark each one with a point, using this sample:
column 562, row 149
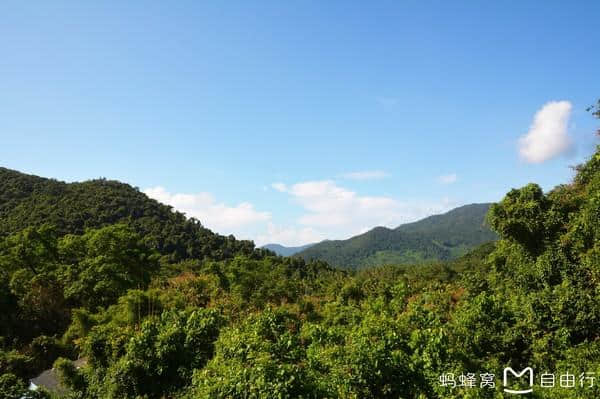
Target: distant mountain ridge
column 438, row 237
column 286, row 251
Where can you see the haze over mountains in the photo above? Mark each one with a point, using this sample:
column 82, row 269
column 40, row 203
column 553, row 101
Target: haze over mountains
column 438, row 237
column 286, row 251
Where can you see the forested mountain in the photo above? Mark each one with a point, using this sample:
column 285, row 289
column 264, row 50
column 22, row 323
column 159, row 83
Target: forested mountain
column 256, row 325
column 71, row 208
column 71, row 250
column 285, row 251
column 438, row 237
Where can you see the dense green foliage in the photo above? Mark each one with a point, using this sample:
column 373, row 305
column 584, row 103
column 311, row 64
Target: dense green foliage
column 255, row 325
column 92, row 294
column 439, row 237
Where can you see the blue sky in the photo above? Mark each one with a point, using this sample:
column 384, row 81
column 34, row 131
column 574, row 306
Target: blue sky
column 297, row 121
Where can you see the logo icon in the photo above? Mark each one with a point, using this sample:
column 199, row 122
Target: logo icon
column 527, row 370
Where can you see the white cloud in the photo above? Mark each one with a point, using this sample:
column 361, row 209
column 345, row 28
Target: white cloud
column 548, row 136
column 289, row 236
column 341, row 213
column 279, row 187
column 216, row 216
column 366, row 175
column 327, row 211
column 448, row 179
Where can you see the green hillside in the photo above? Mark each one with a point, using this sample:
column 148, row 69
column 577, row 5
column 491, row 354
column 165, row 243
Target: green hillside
column 70, row 252
column 71, row 208
column 438, row 237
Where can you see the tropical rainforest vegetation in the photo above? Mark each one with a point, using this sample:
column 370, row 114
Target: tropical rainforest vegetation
column 162, row 308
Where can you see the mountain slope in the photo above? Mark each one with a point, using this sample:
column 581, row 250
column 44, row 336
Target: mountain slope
column 438, row 237
column 286, row 251
column 27, row 200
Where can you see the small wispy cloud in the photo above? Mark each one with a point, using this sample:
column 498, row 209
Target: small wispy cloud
column 548, row 135
column 212, row 214
column 289, row 235
column 366, row 175
column 279, row 187
column 448, row 179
